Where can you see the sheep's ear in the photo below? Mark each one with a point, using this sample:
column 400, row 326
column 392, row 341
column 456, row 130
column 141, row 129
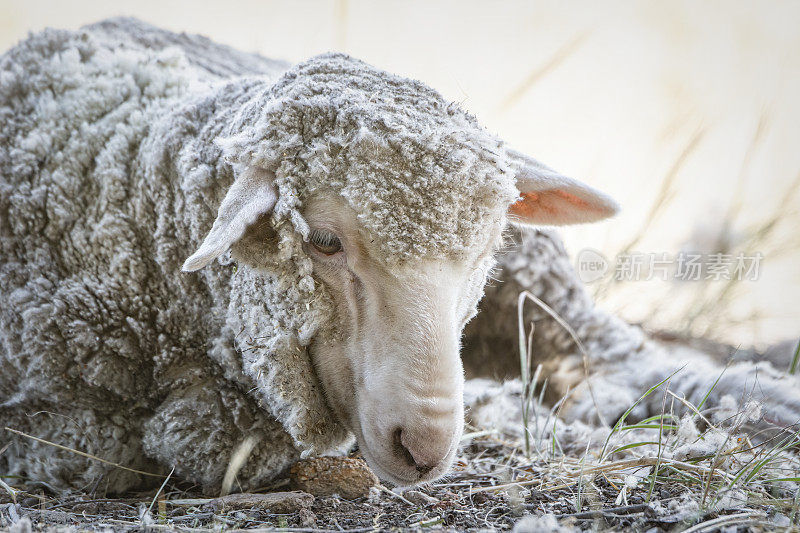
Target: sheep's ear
column 252, row 194
column 548, row 198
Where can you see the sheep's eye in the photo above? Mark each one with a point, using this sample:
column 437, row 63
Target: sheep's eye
column 325, row 242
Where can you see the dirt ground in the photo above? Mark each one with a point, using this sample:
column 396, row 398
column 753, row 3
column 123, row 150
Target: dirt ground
column 530, row 494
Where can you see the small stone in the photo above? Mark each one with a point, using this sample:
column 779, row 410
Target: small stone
column 307, row 518
column 332, row 502
column 53, row 517
column 348, row 477
column 480, row 497
column 88, row 508
column 419, row 498
column 107, row 507
column 374, row 495
column 275, row 502
column 781, row 520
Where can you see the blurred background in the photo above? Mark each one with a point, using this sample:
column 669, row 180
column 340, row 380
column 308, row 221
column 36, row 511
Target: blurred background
column 686, row 112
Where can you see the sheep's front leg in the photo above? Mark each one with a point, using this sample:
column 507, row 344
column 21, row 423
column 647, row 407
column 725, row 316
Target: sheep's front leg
column 753, row 395
column 197, row 428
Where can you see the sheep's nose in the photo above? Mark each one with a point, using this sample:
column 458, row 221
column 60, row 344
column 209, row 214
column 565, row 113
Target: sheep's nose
column 424, row 450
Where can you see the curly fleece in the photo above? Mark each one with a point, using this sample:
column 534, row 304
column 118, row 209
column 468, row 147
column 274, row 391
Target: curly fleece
column 119, row 142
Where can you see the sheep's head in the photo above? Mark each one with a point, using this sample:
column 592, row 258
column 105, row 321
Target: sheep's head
column 390, row 204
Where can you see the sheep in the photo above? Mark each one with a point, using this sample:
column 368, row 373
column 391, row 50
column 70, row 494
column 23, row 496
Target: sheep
column 623, row 361
column 335, row 225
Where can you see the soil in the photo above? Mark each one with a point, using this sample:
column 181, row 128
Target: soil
column 463, row 501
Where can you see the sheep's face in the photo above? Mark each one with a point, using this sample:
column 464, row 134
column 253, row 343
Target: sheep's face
column 403, row 251
column 389, row 363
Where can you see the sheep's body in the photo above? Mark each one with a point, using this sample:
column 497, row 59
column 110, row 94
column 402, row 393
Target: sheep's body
column 119, row 142
column 109, row 177
column 623, row 362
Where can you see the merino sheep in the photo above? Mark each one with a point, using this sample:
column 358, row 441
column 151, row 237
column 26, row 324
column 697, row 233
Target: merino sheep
column 346, row 219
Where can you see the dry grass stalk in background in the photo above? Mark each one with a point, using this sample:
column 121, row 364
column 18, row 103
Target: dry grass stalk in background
column 662, row 202
column 713, row 304
column 526, row 358
column 560, row 55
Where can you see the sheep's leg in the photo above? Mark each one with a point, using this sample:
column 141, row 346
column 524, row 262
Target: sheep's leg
column 108, row 436
column 622, row 363
column 693, row 377
column 197, row 428
column 776, row 392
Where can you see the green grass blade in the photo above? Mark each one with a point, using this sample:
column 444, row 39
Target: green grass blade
column 795, row 360
column 621, row 420
column 629, row 446
column 771, row 456
column 659, row 418
column 649, row 426
column 714, row 386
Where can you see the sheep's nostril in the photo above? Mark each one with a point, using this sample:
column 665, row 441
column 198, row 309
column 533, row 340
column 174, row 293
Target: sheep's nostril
column 423, row 469
column 402, row 451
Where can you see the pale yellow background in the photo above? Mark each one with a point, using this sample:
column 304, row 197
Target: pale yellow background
column 609, row 92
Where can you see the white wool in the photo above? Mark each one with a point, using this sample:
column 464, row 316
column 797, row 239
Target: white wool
column 709, row 444
column 546, row 523
column 727, row 410
column 22, row 525
column 687, row 429
column 119, row 142
column 422, row 176
column 631, row 482
column 684, row 507
column 729, row 499
column 752, row 411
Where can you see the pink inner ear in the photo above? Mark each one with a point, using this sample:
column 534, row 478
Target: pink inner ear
column 528, row 206
column 553, row 206
column 578, row 202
